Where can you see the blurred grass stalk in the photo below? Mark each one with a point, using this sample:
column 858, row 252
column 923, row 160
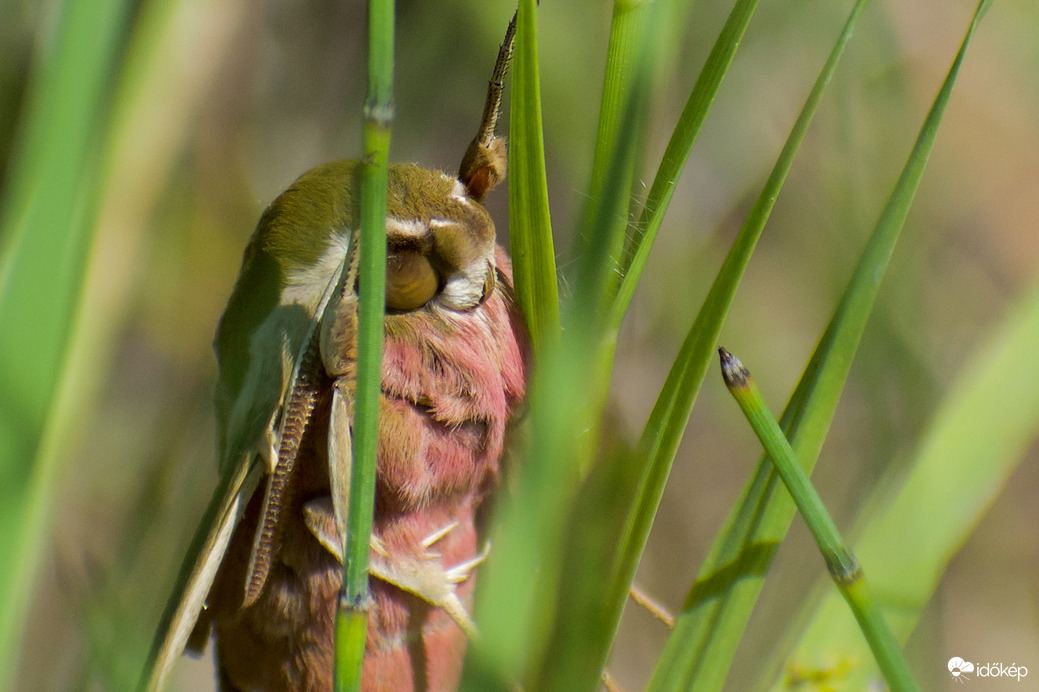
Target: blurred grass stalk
column 48, row 222
column 103, row 124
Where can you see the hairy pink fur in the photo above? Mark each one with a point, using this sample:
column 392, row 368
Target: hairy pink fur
column 452, row 383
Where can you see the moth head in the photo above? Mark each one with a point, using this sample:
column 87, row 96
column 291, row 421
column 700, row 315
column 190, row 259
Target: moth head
column 440, row 242
column 440, row 239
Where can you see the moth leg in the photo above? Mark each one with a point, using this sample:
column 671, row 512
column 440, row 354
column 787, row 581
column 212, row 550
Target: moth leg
column 340, row 453
column 460, row 572
column 422, row 576
column 425, row 577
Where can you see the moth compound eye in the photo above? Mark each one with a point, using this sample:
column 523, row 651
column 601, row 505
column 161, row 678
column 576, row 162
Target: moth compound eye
column 411, row 281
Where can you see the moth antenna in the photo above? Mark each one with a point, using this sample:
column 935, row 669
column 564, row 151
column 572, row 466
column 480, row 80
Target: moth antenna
column 492, row 107
column 484, row 163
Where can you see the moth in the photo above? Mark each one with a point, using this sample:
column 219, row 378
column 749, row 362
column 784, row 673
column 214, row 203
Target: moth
column 264, row 571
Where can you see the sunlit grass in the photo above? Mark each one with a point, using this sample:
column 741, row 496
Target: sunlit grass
column 125, row 495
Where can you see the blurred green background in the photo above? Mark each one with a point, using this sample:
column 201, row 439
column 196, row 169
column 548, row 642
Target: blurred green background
column 219, row 106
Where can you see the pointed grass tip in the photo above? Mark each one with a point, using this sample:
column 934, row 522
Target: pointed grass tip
column 735, row 374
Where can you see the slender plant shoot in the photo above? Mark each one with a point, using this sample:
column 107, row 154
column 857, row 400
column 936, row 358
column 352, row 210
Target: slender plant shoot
column 844, row 569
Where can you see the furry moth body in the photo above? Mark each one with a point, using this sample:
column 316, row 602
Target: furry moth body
column 264, row 572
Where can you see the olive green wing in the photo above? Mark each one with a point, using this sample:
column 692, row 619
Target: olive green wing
column 260, row 417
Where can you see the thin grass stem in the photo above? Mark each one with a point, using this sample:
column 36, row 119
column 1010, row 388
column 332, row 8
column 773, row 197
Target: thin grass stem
column 844, row 569
column 352, row 618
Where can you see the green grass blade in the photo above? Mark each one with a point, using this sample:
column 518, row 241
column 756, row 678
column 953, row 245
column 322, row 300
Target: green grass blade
column 518, row 596
column 513, row 600
column 714, row 615
column 530, row 223
column 626, row 42
column 352, row 615
column 633, row 484
column 574, row 660
column 629, row 74
column 677, row 152
column 47, row 225
column 594, row 612
column 630, row 62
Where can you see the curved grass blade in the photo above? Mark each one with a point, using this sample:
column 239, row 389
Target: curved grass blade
column 576, row 648
column 700, row 649
column 626, row 44
column 631, row 60
column 561, row 436
column 47, row 225
column 522, row 581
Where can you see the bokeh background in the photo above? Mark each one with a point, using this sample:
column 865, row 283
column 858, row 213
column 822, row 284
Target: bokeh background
column 222, row 105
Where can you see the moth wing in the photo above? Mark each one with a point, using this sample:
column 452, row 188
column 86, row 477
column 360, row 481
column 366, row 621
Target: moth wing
column 250, row 430
column 199, row 570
